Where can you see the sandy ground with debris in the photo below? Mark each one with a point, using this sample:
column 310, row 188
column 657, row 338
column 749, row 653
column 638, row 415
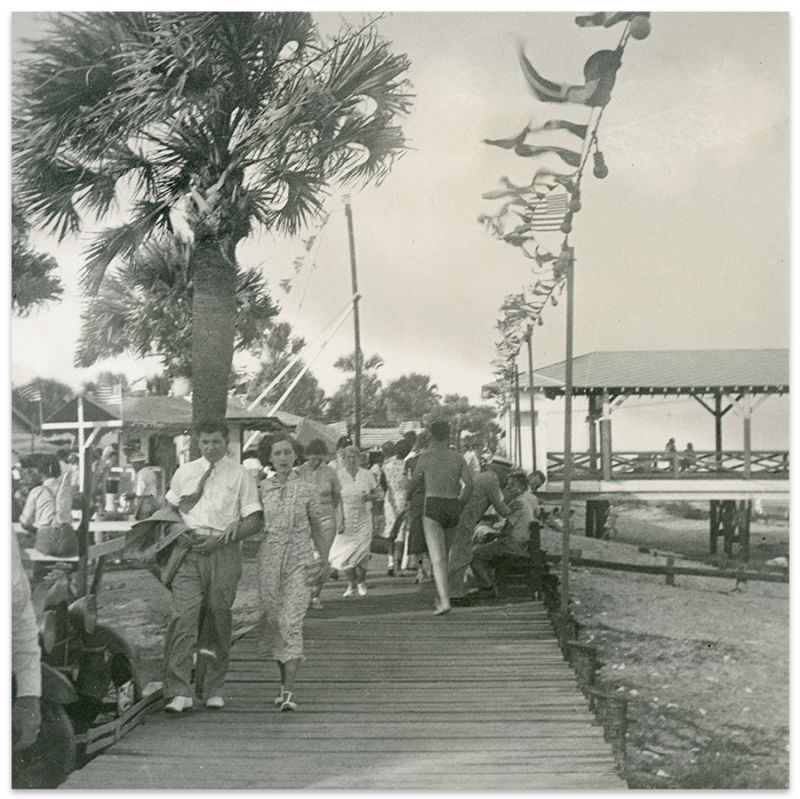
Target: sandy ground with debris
column 704, row 665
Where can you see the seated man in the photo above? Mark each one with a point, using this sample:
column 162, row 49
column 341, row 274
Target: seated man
column 515, row 534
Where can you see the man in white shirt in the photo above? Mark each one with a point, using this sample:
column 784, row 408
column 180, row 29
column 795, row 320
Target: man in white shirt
column 218, row 500
column 50, row 500
column 145, row 486
column 472, row 448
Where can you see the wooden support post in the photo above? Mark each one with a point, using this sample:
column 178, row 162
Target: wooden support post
column 728, row 525
column 86, row 508
column 747, row 414
column 670, row 570
column 718, row 428
column 594, row 414
column 713, row 525
column 605, row 437
column 745, row 514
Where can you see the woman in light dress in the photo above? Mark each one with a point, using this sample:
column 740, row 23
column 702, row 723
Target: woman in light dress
column 325, row 481
column 292, row 533
column 350, row 550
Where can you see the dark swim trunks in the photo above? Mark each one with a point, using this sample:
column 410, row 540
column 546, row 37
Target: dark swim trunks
column 443, row 510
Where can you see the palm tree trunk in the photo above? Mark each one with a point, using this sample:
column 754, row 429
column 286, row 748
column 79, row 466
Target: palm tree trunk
column 213, row 329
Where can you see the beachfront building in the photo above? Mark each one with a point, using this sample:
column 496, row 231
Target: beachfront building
column 687, row 425
column 160, row 427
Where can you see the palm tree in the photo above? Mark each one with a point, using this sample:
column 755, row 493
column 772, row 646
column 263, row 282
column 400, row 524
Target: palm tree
column 225, row 121
column 33, row 283
column 144, row 308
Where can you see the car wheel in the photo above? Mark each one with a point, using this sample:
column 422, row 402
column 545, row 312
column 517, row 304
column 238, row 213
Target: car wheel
column 52, row 757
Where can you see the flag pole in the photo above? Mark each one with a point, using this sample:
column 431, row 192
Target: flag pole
column 530, row 392
column 566, row 509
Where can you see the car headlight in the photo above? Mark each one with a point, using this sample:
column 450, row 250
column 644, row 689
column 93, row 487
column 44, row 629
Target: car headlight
column 83, row 612
column 48, row 631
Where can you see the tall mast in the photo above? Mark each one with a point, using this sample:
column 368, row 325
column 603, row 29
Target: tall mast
column 356, row 326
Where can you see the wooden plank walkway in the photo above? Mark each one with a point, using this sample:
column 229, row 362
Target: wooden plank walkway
column 390, row 697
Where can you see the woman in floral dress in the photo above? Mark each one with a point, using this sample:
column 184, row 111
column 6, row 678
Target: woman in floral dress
column 292, row 532
column 350, row 550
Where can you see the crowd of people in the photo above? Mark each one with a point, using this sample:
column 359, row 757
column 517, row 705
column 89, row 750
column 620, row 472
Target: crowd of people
column 322, row 515
column 435, row 513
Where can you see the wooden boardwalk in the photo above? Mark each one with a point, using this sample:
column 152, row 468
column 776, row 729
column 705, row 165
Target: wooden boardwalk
column 390, row 697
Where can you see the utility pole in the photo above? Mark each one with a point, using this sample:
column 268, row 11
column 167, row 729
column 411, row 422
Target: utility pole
column 356, row 327
column 530, row 393
column 567, row 485
column 517, row 419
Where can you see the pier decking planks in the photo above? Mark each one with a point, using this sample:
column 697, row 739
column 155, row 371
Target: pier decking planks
column 390, row 697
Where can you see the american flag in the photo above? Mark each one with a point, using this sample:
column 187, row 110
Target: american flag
column 549, row 212
column 31, row 393
column 109, row 395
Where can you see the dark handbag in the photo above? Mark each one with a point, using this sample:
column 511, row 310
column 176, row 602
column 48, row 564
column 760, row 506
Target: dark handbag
column 57, row 541
column 382, row 545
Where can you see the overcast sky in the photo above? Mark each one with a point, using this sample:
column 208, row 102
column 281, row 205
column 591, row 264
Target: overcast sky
column 684, row 245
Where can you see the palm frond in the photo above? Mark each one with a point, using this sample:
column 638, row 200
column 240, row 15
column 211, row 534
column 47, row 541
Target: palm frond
column 365, row 66
column 109, row 245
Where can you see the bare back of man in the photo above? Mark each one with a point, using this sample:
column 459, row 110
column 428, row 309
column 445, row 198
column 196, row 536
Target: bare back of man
column 443, row 470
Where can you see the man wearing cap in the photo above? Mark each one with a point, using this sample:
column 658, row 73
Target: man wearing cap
column 487, row 490
column 218, row 500
column 515, row 535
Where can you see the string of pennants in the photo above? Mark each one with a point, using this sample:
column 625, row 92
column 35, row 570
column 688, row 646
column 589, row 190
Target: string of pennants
column 308, row 244
column 548, row 203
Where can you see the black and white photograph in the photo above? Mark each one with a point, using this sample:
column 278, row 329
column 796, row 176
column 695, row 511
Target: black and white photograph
column 399, row 399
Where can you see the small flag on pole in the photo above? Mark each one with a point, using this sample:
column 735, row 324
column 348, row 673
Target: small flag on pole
column 549, row 212
column 109, row 395
column 31, row 393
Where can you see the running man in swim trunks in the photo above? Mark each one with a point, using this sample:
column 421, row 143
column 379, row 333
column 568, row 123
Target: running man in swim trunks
column 448, row 485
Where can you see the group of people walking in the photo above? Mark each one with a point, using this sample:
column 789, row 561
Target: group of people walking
column 314, row 518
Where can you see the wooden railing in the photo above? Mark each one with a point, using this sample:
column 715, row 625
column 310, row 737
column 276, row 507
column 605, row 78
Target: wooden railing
column 649, row 464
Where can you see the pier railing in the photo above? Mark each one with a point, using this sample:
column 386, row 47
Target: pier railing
column 682, row 465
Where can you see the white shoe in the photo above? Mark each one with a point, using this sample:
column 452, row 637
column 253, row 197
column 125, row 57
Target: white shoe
column 288, row 702
column 215, row 703
column 362, row 589
column 178, row 704
column 349, row 591
column 316, row 603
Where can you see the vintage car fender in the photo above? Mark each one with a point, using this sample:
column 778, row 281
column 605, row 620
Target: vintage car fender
column 56, row 687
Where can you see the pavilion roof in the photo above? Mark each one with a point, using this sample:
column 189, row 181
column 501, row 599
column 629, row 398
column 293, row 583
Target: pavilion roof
column 763, row 371
column 153, row 411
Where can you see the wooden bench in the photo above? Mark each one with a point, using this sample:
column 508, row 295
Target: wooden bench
column 39, row 561
column 529, row 571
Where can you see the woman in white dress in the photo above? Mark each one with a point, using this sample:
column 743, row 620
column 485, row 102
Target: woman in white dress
column 350, row 550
